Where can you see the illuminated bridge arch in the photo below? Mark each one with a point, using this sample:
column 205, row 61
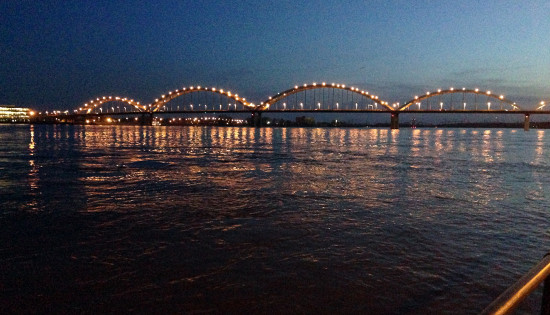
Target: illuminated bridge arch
column 302, row 88
column 165, row 98
column 87, row 108
column 417, row 100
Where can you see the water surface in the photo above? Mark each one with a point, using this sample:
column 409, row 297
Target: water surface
column 206, row 219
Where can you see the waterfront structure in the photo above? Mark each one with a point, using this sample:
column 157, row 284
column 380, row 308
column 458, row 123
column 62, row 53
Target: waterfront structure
column 13, row 114
column 307, row 98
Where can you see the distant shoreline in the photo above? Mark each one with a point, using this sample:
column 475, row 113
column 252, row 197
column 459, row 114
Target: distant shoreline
column 534, row 125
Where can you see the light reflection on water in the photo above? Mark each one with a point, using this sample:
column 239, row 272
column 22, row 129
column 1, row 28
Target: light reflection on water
column 298, row 220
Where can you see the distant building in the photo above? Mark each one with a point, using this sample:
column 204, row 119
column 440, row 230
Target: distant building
column 12, row 114
column 305, row 121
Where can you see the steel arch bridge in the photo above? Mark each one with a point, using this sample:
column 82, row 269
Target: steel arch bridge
column 302, row 88
column 87, row 108
column 417, row 100
column 165, row 98
column 367, row 103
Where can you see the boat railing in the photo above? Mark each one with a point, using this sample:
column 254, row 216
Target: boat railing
column 507, row 302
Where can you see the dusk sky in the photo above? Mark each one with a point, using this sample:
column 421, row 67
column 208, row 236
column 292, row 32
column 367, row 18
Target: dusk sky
column 60, row 54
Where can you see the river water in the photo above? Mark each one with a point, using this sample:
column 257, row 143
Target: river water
column 98, row 219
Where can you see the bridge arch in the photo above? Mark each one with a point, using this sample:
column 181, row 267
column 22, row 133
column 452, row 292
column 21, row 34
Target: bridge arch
column 87, row 108
column 165, row 98
column 297, row 89
column 418, row 99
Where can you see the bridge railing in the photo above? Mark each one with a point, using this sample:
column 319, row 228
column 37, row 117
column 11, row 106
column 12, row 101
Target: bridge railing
column 508, row 301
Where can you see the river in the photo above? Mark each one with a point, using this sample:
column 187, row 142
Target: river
column 141, row 219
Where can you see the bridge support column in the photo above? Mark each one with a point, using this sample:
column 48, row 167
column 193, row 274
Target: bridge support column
column 147, row 119
column 526, row 123
column 394, row 122
column 257, row 119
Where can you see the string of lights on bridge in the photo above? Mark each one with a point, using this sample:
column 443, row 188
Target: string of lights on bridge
column 321, row 99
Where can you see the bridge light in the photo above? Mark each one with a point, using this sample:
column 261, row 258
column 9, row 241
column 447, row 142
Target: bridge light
column 343, row 85
column 305, row 85
column 477, row 90
column 103, row 97
column 501, row 97
column 295, row 87
column 427, row 93
column 170, row 93
column 270, row 97
column 156, row 99
column 198, row 87
column 488, row 92
column 337, row 85
column 416, row 97
column 117, row 98
column 163, row 96
column 438, row 90
column 324, row 83
column 110, row 97
column 221, row 91
column 452, row 88
column 191, row 87
column 314, row 84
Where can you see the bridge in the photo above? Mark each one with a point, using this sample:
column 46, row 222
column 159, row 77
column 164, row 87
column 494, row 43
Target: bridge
column 307, row 98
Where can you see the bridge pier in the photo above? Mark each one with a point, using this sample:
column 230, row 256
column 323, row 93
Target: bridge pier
column 526, row 123
column 394, row 122
column 257, row 119
column 147, row 119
